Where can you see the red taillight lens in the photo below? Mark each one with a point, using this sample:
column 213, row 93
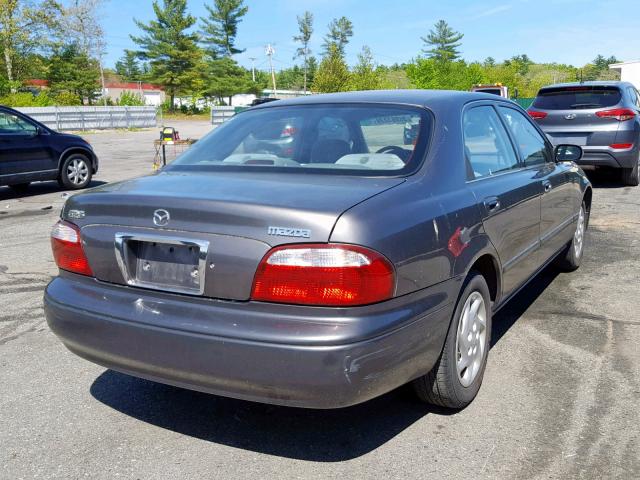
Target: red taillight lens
column 323, row 274
column 288, row 131
column 67, row 248
column 537, row 115
column 621, row 146
column 620, row 114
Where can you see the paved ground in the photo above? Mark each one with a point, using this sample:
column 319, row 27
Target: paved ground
column 559, row 400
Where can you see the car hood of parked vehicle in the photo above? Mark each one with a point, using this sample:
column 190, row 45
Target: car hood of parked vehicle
column 272, row 207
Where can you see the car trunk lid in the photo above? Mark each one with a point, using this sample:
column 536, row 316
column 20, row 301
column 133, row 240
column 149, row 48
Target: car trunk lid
column 239, row 216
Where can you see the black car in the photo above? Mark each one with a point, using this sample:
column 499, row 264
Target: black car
column 30, row 152
column 330, row 273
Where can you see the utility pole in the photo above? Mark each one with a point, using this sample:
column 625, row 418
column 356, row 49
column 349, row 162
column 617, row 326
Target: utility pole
column 270, row 52
column 253, row 68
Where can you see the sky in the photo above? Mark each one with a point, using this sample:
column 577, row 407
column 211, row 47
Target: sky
column 562, row 31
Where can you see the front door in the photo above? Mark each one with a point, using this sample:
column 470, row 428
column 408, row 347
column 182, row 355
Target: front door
column 508, row 195
column 22, row 149
column 558, row 208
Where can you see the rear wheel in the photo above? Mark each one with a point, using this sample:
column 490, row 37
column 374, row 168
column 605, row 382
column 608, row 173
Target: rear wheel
column 572, row 257
column 455, row 380
column 75, row 172
column 20, row 187
column 631, row 176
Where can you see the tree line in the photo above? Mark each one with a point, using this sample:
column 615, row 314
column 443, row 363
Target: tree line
column 194, row 57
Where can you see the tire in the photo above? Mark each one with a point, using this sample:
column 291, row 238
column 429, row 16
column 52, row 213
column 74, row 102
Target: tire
column 571, row 258
column 20, row 187
column 445, row 385
column 76, row 172
column 631, row 176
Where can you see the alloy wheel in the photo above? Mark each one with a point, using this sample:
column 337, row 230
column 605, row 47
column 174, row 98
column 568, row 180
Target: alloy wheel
column 77, row 171
column 471, row 338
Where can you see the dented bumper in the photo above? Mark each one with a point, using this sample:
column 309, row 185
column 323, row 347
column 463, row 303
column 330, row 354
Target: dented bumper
column 280, row 354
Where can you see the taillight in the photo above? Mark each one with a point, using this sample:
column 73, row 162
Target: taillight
column 537, row 115
column 620, row 114
column 67, row 248
column 288, row 131
column 622, row 146
column 324, row 275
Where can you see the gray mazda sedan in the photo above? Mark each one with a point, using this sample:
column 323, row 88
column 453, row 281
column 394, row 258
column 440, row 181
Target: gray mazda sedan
column 329, row 269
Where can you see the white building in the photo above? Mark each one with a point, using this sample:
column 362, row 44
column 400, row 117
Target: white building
column 629, row 71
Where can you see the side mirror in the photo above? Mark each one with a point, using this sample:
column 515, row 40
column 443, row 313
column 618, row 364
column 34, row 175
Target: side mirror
column 568, row 153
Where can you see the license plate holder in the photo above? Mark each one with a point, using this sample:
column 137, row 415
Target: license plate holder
column 173, row 264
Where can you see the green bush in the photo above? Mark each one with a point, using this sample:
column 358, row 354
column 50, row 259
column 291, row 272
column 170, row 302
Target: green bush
column 27, row 99
column 130, row 99
column 66, row 99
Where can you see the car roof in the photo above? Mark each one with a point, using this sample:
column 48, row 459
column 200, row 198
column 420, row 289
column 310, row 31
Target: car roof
column 423, row 98
column 600, row 83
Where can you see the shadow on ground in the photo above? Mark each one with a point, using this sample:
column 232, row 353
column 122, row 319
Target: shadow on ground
column 605, row 178
column 40, row 188
column 314, row 435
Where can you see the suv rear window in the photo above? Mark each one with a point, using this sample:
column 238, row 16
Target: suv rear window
column 576, row 98
column 365, row 140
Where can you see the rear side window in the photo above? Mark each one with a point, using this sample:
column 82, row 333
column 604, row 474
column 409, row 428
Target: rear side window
column 487, row 148
column 576, row 98
column 530, row 142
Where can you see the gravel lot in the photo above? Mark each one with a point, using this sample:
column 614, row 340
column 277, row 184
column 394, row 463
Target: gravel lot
column 560, row 396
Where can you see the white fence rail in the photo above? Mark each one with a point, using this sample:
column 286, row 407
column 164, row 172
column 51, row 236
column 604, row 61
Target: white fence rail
column 220, row 115
column 93, row 118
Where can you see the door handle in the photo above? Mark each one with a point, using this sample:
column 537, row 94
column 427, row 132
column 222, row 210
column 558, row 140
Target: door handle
column 492, row 204
column 547, row 186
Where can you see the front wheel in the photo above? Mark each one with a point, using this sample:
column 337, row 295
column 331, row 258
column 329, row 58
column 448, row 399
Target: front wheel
column 76, row 172
column 455, row 380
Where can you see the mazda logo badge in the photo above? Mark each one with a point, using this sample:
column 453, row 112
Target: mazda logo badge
column 571, row 116
column 161, row 217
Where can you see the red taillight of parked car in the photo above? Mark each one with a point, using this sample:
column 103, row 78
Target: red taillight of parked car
column 333, row 275
column 537, row 115
column 622, row 146
column 67, row 248
column 620, row 114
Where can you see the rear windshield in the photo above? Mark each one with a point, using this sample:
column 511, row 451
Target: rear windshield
column 336, row 139
column 576, row 98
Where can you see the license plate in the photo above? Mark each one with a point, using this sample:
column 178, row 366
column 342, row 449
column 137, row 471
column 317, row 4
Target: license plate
column 163, row 263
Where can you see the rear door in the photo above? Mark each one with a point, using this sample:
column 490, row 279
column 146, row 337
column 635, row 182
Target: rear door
column 508, row 194
column 573, row 114
column 22, row 149
column 558, row 204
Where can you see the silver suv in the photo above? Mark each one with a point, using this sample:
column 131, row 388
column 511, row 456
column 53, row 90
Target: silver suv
column 602, row 117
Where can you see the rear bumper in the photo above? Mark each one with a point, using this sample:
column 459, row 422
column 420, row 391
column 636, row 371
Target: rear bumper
column 609, row 157
column 311, row 357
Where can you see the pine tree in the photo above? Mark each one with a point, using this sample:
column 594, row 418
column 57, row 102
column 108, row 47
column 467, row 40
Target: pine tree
column 71, row 70
column 332, row 74
column 444, row 42
column 175, row 60
column 128, row 66
column 220, row 28
column 340, row 31
column 305, row 26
